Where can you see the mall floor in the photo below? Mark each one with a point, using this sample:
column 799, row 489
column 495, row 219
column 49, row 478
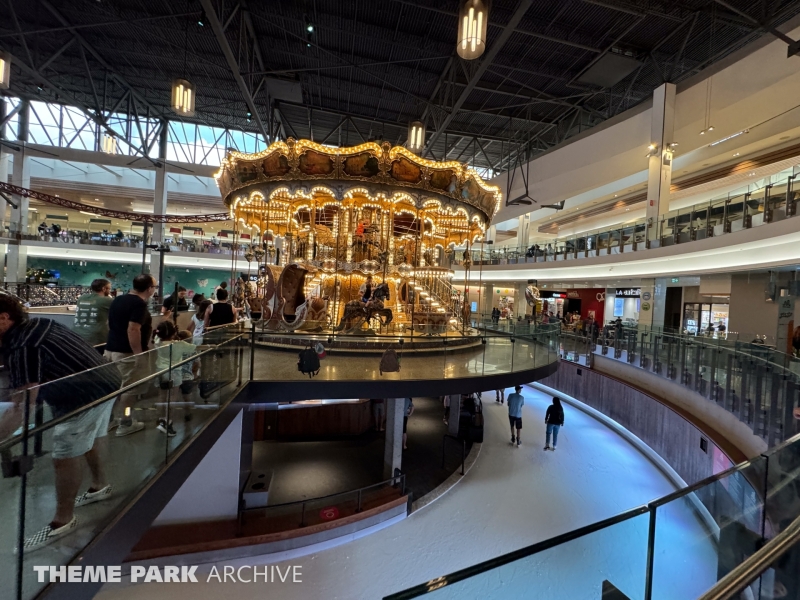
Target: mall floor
column 511, row 498
column 312, row 469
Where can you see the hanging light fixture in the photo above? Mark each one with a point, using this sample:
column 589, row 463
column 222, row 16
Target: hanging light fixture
column 183, row 97
column 183, row 92
column 472, row 21
column 5, row 71
column 416, row 136
column 109, row 144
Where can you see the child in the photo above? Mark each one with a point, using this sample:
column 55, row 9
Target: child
column 171, row 351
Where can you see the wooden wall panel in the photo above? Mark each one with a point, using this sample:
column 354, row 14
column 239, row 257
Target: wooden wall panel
column 674, row 438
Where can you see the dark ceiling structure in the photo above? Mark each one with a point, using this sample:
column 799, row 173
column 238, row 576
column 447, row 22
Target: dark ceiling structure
column 340, row 72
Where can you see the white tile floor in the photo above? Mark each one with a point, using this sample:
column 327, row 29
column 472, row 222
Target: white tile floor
column 513, row 497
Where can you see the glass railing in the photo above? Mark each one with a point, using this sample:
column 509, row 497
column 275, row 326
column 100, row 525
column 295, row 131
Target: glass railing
column 171, row 393
column 678, row 546
column 120, row 239
column 174, row 393
column 757, row 384
column 452, row 355
column 768, row 574
column 736, row 211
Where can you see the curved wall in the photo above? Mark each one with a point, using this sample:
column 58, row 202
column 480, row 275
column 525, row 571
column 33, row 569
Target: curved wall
column 688, row 446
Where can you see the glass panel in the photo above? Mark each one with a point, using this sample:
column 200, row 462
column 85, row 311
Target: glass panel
column 616, row 554
column 702, row 536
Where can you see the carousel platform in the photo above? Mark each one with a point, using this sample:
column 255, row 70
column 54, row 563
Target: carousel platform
column 371, row 343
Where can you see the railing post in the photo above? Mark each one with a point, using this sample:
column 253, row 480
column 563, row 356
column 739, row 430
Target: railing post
column 253, row 348
column 651, row 546
column 303, row 515
column 358, row 509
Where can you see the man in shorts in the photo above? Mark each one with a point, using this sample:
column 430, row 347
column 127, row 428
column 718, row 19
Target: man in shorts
column 515, row 404
column 40, row 351
column 129, row 329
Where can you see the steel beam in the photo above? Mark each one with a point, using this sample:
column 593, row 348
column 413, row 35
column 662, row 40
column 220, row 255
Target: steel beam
column 490, row 55
column 216, row 27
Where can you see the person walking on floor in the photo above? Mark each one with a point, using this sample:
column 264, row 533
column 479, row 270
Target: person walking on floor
column 515, row 403
column 500, row 395
column 408, row 410
column 554, row 419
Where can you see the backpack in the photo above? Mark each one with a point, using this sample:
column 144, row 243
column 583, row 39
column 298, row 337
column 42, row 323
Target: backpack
column 390, row 362
column 308, row 362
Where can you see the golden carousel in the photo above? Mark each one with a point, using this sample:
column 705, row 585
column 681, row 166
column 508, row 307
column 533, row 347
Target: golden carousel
column 353, row 242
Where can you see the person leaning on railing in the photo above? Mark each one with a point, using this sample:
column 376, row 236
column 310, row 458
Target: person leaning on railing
column 41, row 351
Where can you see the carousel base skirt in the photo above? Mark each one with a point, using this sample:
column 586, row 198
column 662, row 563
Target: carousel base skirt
column 371, row 342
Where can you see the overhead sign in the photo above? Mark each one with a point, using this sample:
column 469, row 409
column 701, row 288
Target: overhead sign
column 628, row 292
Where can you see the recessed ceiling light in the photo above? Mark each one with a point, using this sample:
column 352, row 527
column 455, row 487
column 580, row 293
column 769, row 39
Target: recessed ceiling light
column 737, row 154
column 786, row 137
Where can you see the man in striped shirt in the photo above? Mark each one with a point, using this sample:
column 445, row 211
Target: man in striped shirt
column 51, row 361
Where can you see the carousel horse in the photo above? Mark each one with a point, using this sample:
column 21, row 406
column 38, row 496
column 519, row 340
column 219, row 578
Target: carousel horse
column 356, row 312
column 289, row 306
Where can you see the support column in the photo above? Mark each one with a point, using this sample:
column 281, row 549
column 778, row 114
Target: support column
column 491, row 235
column 17, row 256
column 659, row 177
column 4, row 160
column 522, row 231
column 393, row 446
column 652, row 302
column 211, row 492
column 160, row 198
column 454, row 414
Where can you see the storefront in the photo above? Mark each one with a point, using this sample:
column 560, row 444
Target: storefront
column 697, row 316
column 624, row 303
column 503, row 299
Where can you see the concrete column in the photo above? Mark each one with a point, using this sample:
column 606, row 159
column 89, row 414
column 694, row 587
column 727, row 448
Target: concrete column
column 652, row 300
column 393, row 446
column 522, row 231
column 659, row 176
column 17, row 256
column 160, row 198
column 491, row 235
column 454, row 414
column 211, row 492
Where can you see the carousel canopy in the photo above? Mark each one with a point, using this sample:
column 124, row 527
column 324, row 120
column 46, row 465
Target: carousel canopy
column 278, row 189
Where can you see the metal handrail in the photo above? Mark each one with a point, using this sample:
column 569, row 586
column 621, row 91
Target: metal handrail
column 743, row 575
column 38, row 429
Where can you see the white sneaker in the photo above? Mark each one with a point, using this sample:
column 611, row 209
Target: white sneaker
column 48, row 535
column 91, row 497
column 124, row 430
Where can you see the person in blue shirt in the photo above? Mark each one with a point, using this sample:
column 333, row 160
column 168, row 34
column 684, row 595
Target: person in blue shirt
column 515, row 404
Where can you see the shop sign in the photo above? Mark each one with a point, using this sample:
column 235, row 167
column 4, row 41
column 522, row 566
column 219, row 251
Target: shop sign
column 573, row 294
column 647, row 296
column 628, row 292
column 329, row 514
column 645, row 306
column 548, row 294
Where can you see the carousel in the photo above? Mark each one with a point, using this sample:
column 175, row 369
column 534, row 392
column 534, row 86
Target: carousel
column 352, row 241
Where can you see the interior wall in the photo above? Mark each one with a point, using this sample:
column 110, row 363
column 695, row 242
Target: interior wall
column 74, row 272
column 749, row 312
